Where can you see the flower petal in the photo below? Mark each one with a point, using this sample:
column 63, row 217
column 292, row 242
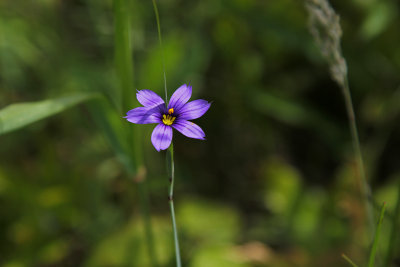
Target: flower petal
column 143, row 115
column 180, row 97
column 194, row 109
column 189, row 129
column 148, row 98
column 161, row 137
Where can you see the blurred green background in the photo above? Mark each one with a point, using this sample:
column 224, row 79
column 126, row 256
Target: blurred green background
column 274, row 183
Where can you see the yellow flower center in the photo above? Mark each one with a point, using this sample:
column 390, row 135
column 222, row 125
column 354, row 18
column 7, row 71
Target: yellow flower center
column 170, row 111
column 168, row 119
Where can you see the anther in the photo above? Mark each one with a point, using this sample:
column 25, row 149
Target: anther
column 168, row 119
column 171, row 110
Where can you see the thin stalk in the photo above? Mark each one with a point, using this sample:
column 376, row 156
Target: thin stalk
column 371, row 262
column 171, row 149
column 171, row 205
column 161, row 47
column 365, row 190
column 327, row 32
column 352, row 263
column 393, row 231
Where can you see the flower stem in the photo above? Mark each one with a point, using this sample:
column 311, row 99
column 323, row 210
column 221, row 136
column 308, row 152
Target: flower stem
column 171, row 148
column 161, row 47
column 171, row 204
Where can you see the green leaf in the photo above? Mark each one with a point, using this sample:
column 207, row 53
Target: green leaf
column 16, row 116
column 123, row 52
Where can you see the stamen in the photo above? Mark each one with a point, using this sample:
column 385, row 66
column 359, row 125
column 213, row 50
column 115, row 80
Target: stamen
column 171, row 110
column 168, row 119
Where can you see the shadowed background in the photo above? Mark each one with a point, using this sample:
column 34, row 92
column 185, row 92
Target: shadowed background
column 274, row 183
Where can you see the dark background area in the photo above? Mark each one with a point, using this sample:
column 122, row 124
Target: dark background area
column 274, row 183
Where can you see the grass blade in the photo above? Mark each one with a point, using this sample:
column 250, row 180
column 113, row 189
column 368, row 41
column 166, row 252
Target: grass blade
column 371, row 262
column 124, row 68
column 327, row 32
column 349, row 260
column 123, row 53
column 19, row 115
column 393, row 231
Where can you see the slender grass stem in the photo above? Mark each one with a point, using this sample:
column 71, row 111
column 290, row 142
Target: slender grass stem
column 171, row 204
column 327, row 32
column 393, row 231
column 352, row 263
column 371, row 262
column 365, row 190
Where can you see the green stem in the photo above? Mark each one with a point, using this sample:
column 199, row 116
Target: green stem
column 171, row 205
column 365, row 190
column 393, row 231
column 171, row 149
column 352, row 263
column 161, row 46
column 371, row 262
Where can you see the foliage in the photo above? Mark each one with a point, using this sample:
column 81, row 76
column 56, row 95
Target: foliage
column 273, row 185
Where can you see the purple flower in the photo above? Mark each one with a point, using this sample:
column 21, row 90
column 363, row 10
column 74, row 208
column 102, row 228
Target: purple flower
column 176, row 115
